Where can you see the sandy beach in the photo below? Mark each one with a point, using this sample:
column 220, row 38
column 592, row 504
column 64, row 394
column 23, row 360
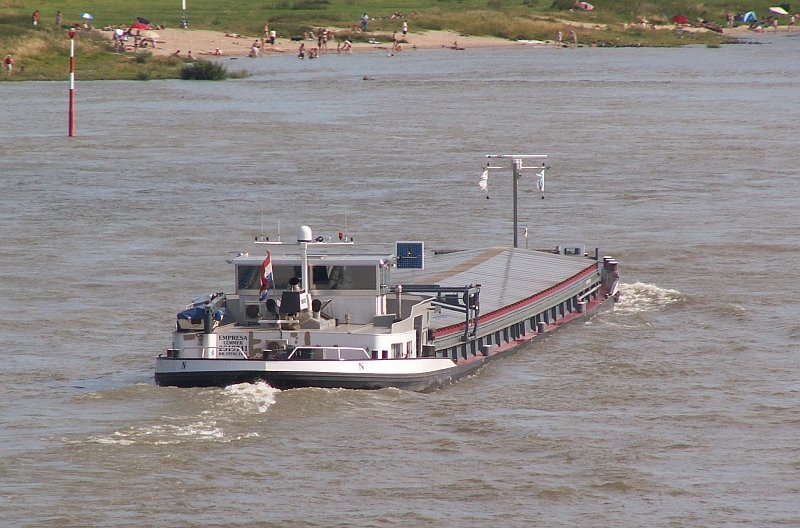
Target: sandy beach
column 205, row 43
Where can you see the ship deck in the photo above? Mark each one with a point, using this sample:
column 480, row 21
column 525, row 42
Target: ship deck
column 506, row 275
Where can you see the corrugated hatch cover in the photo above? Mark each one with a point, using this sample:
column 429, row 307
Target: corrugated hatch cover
column 506, row 275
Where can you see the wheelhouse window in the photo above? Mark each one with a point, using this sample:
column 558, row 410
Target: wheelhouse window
column 249, row 277
column 322, row 277
column 343, row 278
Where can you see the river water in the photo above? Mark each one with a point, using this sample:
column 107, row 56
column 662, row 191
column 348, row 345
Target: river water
column 677, row 409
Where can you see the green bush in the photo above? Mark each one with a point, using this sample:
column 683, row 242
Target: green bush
column 562, row 5
column 310, row 4
column 203, row 70
column 143, row 57
column 302, row 5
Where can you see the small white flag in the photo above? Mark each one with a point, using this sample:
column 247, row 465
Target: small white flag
column 540, row 182
column 484, row 183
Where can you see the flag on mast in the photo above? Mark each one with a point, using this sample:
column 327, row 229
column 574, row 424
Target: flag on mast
column 266, row 276
column 484, row 183
column 540, row 182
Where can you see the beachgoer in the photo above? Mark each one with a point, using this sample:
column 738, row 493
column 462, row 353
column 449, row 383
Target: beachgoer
column 729, row 20
column 364, row 22
column 301, row 52
column 559, row 38
column 119, row 40
column 572, row 37
column 190, row 55
column 217, row 52
column 177, row 53
column 405, row 28
column 790, row 25
column 253, row 52
column 35, row 18
column 59, row 18
column 272, row 36
column 266, row 30
column 9, row 62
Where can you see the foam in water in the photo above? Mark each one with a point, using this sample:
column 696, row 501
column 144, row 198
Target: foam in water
column 251, row 396
column 160, row 434
column 246, row 398
column 164, row 434
column 640, row 297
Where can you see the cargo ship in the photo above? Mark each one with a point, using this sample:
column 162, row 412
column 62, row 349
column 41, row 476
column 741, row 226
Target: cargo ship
column 313, row 313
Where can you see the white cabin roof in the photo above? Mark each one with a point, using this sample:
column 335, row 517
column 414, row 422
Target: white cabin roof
column 315, row 259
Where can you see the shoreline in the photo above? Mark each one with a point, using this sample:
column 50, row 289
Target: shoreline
column 203, row 43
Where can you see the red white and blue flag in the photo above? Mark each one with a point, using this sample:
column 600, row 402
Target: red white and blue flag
column 266, row 276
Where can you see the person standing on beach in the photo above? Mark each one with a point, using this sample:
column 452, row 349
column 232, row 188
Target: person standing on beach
column 59, row 18
column 573, row 38
column 364, row 22
column 405, row 28
column 790, row 24
column 9, row 63
column 272, row 36
column 559, row 38
column 35, row 18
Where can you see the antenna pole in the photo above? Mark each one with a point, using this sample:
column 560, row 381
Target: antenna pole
column 516, row 169
column 304, row 273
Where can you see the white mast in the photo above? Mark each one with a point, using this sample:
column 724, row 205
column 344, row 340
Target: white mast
column 517, row 168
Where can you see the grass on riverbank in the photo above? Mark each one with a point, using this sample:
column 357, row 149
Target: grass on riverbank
column 290, row 17
column 42, row 52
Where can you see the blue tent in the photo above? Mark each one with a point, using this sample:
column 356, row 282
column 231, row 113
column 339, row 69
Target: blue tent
column 748, row 17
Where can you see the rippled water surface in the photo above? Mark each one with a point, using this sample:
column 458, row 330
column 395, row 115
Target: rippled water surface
column 678, row 409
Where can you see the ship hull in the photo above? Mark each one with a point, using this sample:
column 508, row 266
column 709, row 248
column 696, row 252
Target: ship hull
column 417, row 374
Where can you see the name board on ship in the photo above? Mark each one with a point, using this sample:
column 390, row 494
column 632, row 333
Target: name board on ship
column 232, row 345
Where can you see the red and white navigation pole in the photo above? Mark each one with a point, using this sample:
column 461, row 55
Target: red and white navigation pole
column 71, row 82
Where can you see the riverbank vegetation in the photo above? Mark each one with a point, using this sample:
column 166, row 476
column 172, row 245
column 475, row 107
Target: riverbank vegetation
column 42, row 54
column 42, row 51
